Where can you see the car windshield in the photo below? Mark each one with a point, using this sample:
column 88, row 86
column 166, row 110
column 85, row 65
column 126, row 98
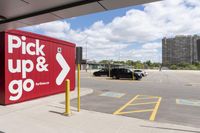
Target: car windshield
column 129, row 70
column 137, row 71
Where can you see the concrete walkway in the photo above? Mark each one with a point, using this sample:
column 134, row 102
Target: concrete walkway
column 44, row 115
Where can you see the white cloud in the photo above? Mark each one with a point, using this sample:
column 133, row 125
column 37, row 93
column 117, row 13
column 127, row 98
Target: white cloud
column 56, row 26
column 145, row 28
column 142, row 55
column 154, row 45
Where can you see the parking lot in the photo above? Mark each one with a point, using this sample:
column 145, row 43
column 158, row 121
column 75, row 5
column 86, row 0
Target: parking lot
column 166, row 96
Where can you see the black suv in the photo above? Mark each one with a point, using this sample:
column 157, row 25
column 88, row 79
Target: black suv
column 118, row 73
column 102, row 72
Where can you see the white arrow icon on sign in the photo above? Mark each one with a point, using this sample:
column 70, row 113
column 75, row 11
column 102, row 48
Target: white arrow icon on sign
column 65, row 69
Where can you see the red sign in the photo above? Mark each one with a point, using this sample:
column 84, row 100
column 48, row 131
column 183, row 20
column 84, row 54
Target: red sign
column 35, row 66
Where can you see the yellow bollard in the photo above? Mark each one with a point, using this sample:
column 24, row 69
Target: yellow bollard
column 78, row 80
column 67, row 98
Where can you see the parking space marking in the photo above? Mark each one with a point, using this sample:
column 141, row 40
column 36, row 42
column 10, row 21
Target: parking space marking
column 195, row 83
column 112, row 94
column 123, row 107
column 137, row 111
column 188, row 102
column 145, row 98
column 133, row 102
column 142, row 103
column 153, row 115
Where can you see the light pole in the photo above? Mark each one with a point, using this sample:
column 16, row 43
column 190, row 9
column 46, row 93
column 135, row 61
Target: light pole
column 86, row 55
column 119, row 54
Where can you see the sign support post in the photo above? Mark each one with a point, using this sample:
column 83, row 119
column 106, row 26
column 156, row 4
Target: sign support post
column 79, row 99
column 78, row 62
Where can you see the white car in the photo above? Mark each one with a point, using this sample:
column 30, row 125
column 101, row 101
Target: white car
column 144, row 73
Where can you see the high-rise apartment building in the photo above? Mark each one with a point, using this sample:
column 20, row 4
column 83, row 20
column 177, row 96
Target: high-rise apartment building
column 181, row 49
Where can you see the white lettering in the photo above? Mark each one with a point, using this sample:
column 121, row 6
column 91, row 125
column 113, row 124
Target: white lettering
column 29, row 48
column 15, row 91
column 41, row 66
column 23, row 45
column 11, row 43
column 27, row 85
column 27, row 66
column 39, row 48
column 23, row 66
column 11, row 67
column 16, row 42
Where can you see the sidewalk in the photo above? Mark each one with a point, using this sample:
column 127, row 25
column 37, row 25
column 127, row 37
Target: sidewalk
column 44, row 115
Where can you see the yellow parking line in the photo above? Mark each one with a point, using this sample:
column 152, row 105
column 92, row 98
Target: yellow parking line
column 131, row 103
column 147, row 95
column 135, row 111
column 153, row 115
column 147, row 98
column 124, row 106
column 142, row 103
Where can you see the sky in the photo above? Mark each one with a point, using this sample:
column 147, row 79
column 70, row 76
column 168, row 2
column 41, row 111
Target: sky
column 132, row 33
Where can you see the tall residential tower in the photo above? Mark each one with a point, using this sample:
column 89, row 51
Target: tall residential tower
column 181, row 49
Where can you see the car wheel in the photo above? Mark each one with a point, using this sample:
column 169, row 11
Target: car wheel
column 114, row 77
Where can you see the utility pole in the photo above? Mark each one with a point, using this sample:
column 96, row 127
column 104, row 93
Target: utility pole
column 86, row 55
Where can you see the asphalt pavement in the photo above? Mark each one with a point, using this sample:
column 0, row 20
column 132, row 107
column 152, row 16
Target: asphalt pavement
column 163, row 96
column 112, row 106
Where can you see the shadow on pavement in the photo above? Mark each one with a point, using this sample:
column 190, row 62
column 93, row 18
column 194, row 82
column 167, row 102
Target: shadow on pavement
column 61, row 107
column 173, row 129
column 126, row 79
column 55, row 112
column 56, row 106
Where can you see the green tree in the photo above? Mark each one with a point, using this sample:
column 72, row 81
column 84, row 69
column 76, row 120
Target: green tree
column 129, row 62
column 173, row 67
column 139, row 65
column 148, row 63
column 104, row 61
